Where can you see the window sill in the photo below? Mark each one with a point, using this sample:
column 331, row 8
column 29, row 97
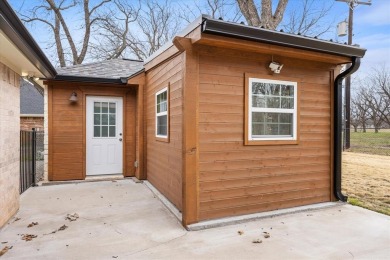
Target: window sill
column 162, row 139
column 271, row 142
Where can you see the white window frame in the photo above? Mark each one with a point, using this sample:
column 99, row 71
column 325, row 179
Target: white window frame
column 162, row 113
column 251, row 109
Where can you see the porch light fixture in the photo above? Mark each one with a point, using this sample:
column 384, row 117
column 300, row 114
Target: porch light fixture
column 73, row 97
column 275, row 67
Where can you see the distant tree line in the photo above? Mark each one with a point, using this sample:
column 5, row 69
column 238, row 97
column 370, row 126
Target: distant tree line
column 370, row 104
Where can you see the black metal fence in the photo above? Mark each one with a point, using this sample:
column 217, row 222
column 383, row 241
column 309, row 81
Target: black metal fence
column 31, row 158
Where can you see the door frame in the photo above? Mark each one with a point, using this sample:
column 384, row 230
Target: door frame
column 87, row 92
column 89, row 102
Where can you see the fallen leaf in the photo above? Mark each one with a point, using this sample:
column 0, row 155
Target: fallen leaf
column 266, row 235
column 240, row 232
column 72, row 217
column 5, row 242
column 32, row 224
column 63, row 227
column 257, row 241
column 114, row 256
column 5, row 250
column 28, row 237
column 16, row 219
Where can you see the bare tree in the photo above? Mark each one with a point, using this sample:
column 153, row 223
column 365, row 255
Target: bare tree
column 225, row 9
column 309, row 18
column 266, row 19
column 51, row 13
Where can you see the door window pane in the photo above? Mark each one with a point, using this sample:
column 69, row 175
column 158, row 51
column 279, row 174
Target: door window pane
column 112, row 131
column 104, row 119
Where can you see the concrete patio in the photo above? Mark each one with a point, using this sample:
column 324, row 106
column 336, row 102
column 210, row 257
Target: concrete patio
column 124, row 220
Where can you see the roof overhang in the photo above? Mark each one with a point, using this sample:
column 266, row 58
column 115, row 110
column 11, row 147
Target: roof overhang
column 234, row 30
column 18, row 49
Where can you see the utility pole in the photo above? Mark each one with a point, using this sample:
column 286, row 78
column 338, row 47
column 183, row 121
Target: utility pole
column 352, row 5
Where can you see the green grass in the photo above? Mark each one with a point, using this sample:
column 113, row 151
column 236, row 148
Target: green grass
column 371, row 142
column 357, row 202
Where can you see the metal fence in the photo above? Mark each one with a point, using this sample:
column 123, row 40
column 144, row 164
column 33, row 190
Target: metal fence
column 31, row 158
column 371, row 142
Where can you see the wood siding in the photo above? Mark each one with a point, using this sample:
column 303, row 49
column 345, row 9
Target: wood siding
column 164, row 159
column 67, row 128
column 236, row 179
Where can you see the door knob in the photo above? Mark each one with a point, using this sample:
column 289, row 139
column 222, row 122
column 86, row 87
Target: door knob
column 120, row 139
column 120, row 134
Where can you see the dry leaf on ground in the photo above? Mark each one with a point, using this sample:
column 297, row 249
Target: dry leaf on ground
column 32, row 224
column 72, row 217
column 28, row 237
column 63, row 227
column 16, row 219
column 5, row 250
column 240, row 232
column 266, row 235
column 257, row 241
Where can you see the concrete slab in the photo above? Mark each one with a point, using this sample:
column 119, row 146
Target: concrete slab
column 125, row 220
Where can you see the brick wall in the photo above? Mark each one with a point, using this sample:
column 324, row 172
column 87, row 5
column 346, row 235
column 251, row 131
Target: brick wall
column 27, row 123
column 9, row 143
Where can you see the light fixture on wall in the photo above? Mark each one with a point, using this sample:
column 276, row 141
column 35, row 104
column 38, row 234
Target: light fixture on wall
column 73, row 97
column 275, row 67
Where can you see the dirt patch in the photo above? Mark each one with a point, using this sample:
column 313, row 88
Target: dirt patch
column 366, row 181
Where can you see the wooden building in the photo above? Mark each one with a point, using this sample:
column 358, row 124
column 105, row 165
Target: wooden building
column 225, row 120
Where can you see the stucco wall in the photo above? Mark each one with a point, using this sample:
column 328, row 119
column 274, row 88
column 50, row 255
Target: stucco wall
column 9, row 143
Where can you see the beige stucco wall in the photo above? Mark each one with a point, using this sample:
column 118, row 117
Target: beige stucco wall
column 9, row 142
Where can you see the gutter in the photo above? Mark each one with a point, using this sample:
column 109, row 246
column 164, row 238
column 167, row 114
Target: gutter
column 88, row 79
column 245, row 32
column 338, row 119
column 18, row 34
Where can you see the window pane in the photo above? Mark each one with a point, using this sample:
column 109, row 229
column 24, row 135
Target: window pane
column 112, row 131
column 273, row 102
column 104, row 119
column 112, row 119
column 257, row 129
column 286, row 129
column 96, row 107
column 258, row 101
column 96, row 119
column 287, row 90
column 286, row 118
column 112, row 107
column 258, row 88
column 104, row 131
column 96, row 131
column 258, row 117
column 104, row 107
column 287, row 103
column 162, row 125
column 273, row 89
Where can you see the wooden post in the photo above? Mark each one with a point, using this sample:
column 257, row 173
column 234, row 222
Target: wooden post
column 190, row 172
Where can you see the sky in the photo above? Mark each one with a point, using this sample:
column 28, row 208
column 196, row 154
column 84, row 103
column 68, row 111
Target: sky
column 371, row 27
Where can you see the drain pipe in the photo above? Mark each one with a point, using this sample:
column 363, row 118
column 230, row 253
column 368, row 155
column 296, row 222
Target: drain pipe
column 338, row 120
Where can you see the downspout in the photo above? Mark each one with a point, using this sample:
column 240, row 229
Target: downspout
column 338, row 119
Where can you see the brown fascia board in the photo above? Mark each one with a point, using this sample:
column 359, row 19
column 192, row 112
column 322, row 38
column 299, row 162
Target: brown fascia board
column 239, row 31
column 11, row 25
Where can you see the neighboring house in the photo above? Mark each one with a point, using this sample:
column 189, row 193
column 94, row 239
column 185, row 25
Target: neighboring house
column 20, row 56
column 212, row 120
column 31, row 106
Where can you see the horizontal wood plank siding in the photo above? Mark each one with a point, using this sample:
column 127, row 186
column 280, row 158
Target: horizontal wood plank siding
column 164, row 159
column 236, row 179
column 67, row 128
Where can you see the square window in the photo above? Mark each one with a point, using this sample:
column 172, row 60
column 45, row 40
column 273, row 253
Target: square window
column 272, row 113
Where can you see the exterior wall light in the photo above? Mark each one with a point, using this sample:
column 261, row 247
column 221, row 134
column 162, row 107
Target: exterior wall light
column 73, row 97
column 275, row 67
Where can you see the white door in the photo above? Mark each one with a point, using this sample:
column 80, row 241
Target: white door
column 104, row 116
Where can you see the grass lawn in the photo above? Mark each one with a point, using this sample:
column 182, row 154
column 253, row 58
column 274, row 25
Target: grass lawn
column 366, row 181
column 371, row 142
